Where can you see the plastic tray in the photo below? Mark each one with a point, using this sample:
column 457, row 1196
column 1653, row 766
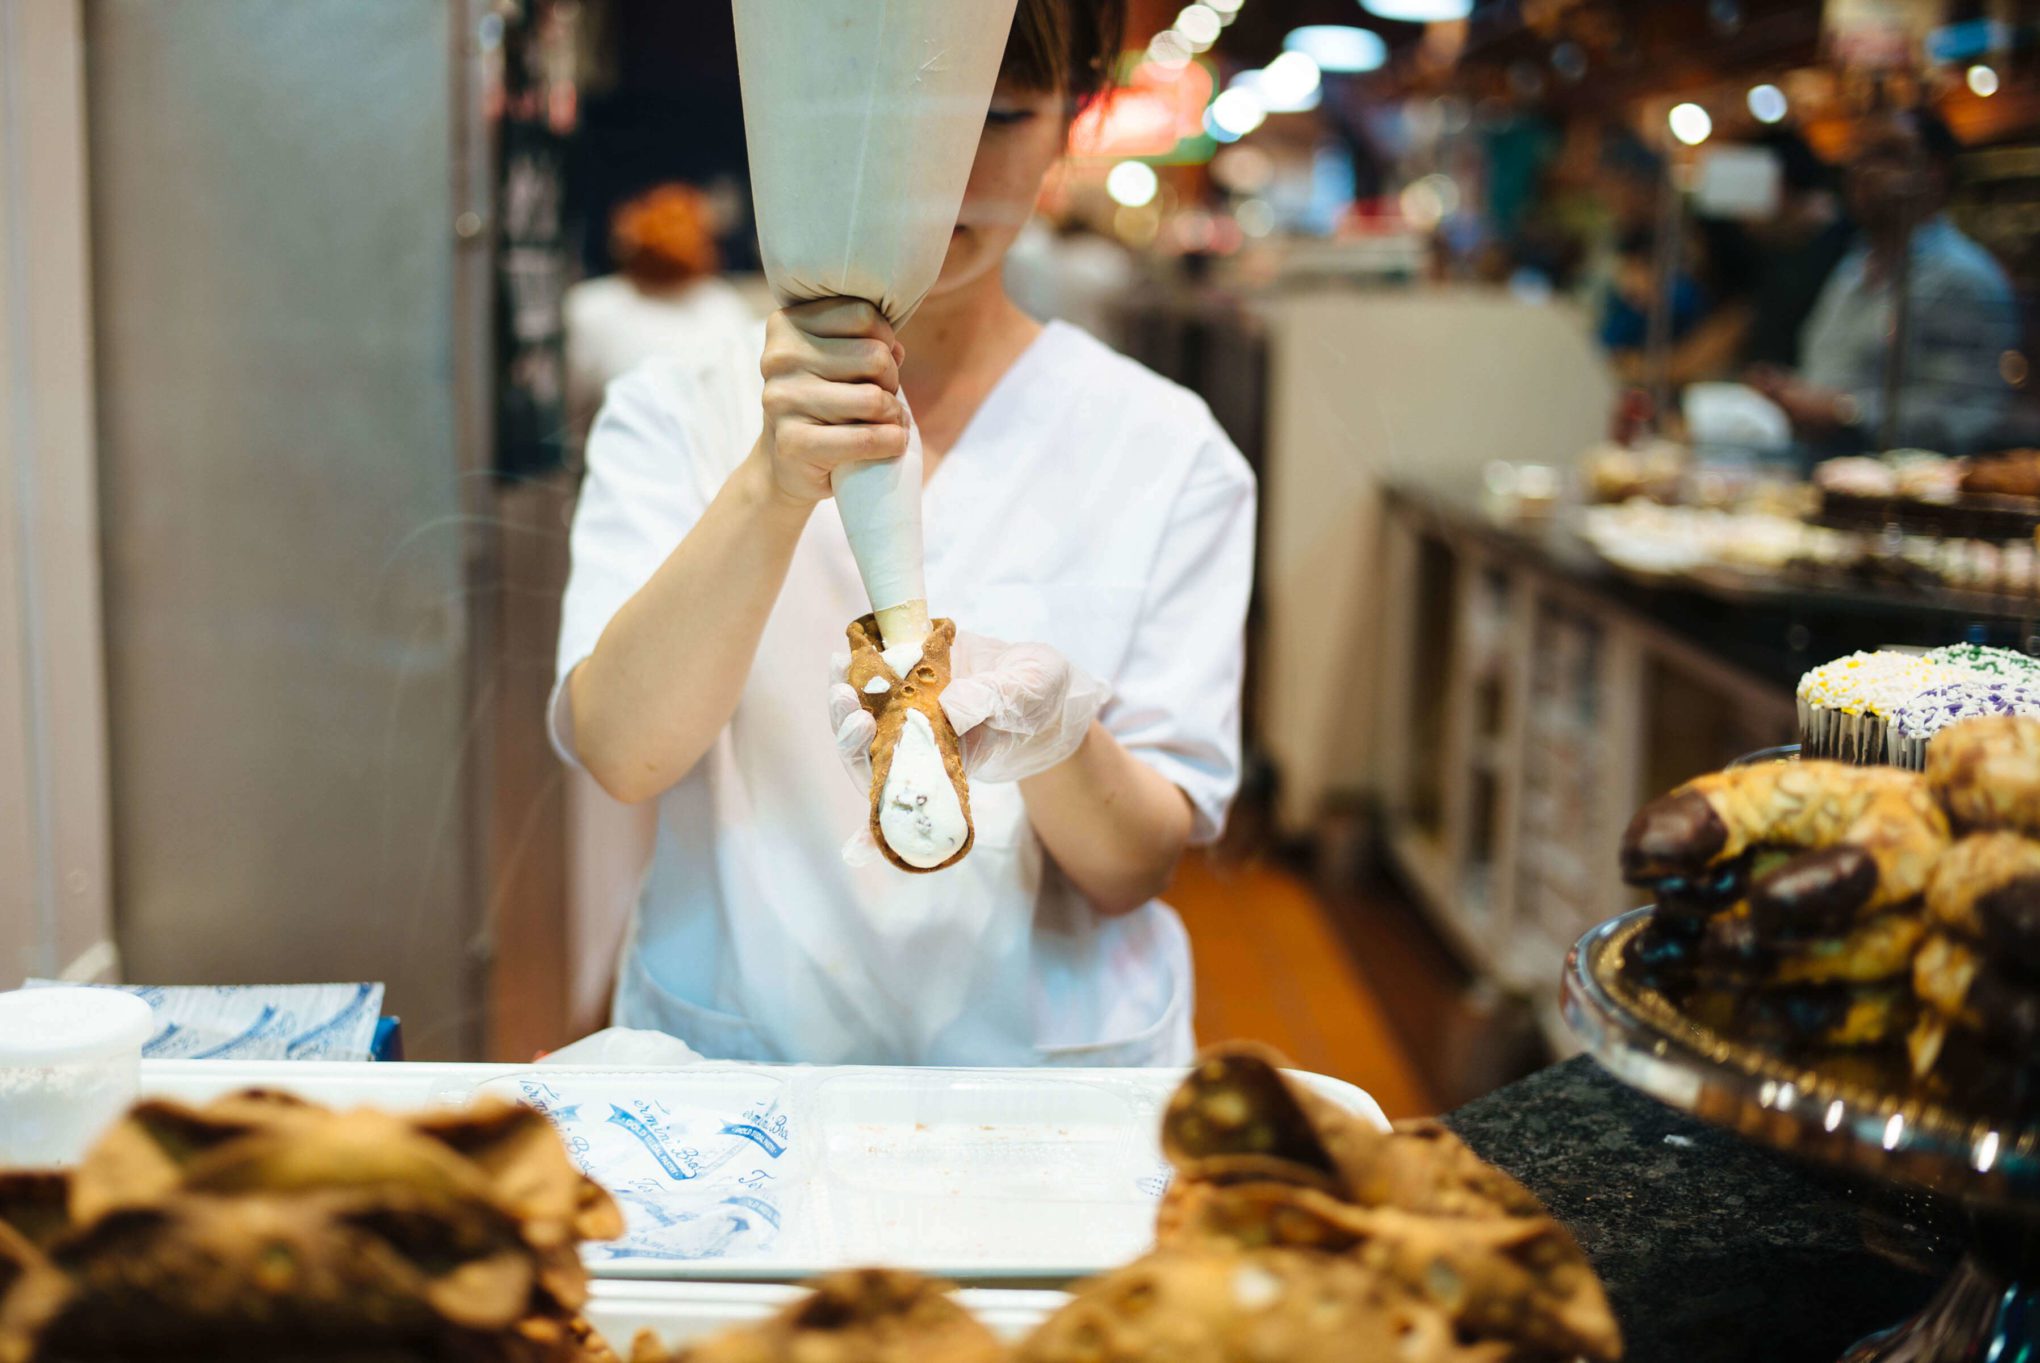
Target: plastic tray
column 681, row 1313
column 760, row 1172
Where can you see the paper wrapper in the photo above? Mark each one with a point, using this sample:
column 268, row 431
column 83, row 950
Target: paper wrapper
column 921, row 689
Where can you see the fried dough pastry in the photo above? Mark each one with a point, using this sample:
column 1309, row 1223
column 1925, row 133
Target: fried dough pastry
column 1237, row 1118
column 263, row 1223
column 1868, row 837
column 870, row 1315
column 1518, row 1279
column 1226, row 1306
column 1987, row 772
column 890, row 698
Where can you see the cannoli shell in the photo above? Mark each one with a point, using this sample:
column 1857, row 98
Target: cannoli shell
column 920, row 690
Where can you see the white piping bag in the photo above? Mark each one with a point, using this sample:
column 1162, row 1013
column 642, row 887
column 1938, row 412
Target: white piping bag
column 862, row 118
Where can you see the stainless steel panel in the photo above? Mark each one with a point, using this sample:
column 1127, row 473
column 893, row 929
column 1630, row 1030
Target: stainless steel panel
column 273, row 197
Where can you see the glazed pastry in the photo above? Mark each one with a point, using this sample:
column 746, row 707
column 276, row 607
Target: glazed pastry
column 1987, row 772
column 1845, row 705
column 920, row 800
column 260, row 1226
column 1915, row 724
column 1788, row 902
column 1977, row 977
column 1874, row 834
column 1219, row 1306
column 871, row 1315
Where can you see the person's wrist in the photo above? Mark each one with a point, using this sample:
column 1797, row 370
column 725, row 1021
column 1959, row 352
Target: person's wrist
column 765, row 496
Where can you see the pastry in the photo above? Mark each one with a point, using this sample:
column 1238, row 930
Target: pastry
column 2015, row 473
column 1914, row 724
column 920, row 800
column 1265, row 1165
column 1845, row 705
column 1788, row 901
column 1519, row 1279
column 871, row 1315
column 1981, row 660
column 1987, row 773
column 265, row 1226
column 1219, row 1305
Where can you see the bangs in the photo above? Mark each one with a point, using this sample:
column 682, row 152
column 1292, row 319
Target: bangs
column 1064, row 46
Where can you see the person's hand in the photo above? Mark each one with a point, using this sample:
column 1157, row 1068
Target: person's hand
column 832, row 383
column 1018, row 709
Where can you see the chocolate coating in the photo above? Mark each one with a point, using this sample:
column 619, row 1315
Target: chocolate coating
column 1672, row 834
column 2010, row 918
column 1815, row 894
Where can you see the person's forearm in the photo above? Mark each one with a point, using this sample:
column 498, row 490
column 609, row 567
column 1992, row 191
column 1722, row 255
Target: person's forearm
column 667, row 672
column 1115, row 825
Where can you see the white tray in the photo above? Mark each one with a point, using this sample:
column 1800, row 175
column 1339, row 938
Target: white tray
column 763, row 1172
column 681, row 1313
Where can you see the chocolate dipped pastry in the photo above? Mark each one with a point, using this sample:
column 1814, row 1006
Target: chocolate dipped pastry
column 1787, row 901
column 870, row 1315
column 920, row 799
column 262, row 1226
column 1977, row 977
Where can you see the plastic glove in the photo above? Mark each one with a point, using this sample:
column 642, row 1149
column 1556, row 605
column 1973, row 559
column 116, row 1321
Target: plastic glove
column 1018, row 709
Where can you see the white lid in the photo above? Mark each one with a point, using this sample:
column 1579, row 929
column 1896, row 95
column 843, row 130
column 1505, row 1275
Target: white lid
column 71, row 1026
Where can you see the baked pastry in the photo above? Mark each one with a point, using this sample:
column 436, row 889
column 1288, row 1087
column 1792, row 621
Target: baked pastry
column 871, row 1315
column 1265, row 1165
column 1218, row 1305
column 1914, row 724
column 2015, row 473
column 1845, row 705
column 265, row 1226
column 1788, row 900
column 920, row 800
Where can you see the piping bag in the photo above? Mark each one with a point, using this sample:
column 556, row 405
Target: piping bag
column 862, row 119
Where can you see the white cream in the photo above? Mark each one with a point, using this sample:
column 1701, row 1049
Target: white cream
column 877, row 686
column 903, row 658
column 919, row 814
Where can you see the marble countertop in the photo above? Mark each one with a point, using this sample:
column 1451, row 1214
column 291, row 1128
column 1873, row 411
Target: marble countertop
column 1711, row 1248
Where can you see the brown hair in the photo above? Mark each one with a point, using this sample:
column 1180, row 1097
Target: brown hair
column 1066, row 45
column 664, row 237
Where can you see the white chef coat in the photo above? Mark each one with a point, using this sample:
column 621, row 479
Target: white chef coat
column 1090, row 505
column 613, row 325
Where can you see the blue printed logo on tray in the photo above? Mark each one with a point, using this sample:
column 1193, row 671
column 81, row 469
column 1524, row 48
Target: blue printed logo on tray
column 689, row 1179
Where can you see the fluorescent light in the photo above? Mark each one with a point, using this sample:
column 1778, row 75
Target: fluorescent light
column 1237, row 111
column 1418, row 11
column 1983, row 81
column 1690, row 124
column 1767, row 103
column 1338, row 47
column 1132, row 184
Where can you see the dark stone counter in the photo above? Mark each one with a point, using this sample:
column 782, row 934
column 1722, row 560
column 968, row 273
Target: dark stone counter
column 1712, row 1249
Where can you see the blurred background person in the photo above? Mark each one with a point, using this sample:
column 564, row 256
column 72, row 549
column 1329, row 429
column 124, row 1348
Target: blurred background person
column 665, row 296
column 1961, row 316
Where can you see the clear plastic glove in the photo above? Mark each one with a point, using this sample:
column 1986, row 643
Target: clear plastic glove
column 1018, row 709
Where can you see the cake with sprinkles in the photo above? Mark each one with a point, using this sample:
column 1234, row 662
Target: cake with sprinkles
column 1984, row 661
column 1845, row 706
column 1913, row 725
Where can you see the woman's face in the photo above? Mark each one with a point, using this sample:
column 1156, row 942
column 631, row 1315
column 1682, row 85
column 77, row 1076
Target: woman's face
column 1024, row 133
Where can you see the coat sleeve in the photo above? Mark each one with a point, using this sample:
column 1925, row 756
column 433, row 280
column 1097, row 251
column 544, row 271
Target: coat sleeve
column 1176, row 698
column 643, row 491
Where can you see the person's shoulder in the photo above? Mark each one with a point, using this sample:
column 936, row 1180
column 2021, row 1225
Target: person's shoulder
column 1150, row 408
column 1961, row 258
column 679, row 377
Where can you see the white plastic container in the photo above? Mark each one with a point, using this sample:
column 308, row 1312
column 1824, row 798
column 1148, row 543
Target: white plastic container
column 69, row 1064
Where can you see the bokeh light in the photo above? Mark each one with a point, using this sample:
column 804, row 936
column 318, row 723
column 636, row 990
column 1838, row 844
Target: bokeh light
column 1132, row 184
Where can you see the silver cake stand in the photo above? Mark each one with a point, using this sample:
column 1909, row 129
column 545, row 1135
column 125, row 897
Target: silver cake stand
column 1989, row 1309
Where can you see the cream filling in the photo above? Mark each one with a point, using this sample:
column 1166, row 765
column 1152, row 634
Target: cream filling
column 919, row 814
column 903, row 658
column 877, row 686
